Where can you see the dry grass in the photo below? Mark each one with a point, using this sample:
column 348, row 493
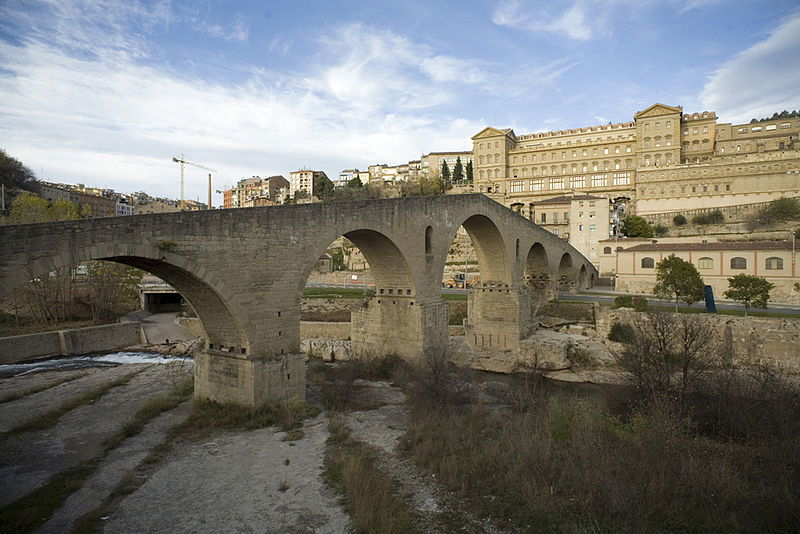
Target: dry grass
column 568, row 465
column 352, row 467
column 208, row 415
column 332, row 316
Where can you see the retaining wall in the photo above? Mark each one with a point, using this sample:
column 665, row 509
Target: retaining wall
column 16, row 349
column 756, row 339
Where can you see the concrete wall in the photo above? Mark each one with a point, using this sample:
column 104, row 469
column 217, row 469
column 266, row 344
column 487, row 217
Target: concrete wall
column 768, row 339
column 78, row 341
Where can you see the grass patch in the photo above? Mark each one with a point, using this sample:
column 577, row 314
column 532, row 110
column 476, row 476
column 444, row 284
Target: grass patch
column 352, row 467
column 333, row 293
column 50, row 419
column 42, row 387
column 286, row 416
column 33, row 510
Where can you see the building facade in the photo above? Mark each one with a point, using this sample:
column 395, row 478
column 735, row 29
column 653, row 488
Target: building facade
column 774, row 260
column 303, row 180
column 250, row 192
column 663, row 160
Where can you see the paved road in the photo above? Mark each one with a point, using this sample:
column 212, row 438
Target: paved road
column 597, row 296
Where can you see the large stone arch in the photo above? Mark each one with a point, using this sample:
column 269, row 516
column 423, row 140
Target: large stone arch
column 490, row 248
column 538, row 275
column 207, row 294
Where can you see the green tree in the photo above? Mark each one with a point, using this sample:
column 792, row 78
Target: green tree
column 635, row 226
column 354, row 183
column 679, row 220
column 445, row 172
column 749, row 290
column 660, row 230
column 322, row 187
column 14, row 175
column 458, row 171
column 469, row 171
column 678, row 280
column 28, row 209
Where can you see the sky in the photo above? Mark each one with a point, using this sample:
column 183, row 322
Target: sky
column 106, row 92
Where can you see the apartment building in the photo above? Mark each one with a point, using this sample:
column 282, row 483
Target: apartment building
column 664, row 160
column 248, row 191
column 303, row 180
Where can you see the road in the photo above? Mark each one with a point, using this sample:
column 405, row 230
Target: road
column 601, row 295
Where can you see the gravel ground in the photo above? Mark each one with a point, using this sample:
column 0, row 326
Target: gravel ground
column 238, row 482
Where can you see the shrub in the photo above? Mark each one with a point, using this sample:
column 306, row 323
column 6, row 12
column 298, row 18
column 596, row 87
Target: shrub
column 660, row 230
column 679, row 220
column 779, row 210
column 168, row 246
column 623, row 301
column 639, row 304
column 715, row 217
column 621, row 333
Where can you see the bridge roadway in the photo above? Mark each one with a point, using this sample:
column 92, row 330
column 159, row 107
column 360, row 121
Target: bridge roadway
column 244, row 271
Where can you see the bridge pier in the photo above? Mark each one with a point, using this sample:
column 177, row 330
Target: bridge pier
column 399, row 324
column 249, row 380
column 498, row 316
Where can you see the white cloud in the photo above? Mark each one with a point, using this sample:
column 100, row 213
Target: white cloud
column 571, row 22
column 759, row 81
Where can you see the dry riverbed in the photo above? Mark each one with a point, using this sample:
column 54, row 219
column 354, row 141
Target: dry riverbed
column 102, row 448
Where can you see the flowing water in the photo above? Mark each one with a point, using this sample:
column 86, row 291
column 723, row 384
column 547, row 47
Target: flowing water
column 82, row 362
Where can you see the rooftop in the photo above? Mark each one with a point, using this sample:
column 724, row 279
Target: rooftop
column 730, row 245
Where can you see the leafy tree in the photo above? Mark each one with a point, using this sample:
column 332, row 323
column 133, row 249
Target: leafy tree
column 660, row 230
column 749, row 290
column 355, row 183
column 635, row 226
column 679, row 220
column 469, row 171
column 28, row 209
column 15, row 175
column 445, row 172
column 458, row 171
column 322, row 187
column 678, row 280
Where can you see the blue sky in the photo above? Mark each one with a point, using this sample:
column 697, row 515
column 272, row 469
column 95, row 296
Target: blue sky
column 106, row 92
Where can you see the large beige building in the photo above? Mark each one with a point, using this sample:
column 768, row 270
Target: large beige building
column 663, row 160
column 717, row 262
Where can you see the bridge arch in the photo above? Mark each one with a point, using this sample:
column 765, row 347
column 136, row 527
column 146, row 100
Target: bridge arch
column 567, row 273
column 201, row 289
column 490, row 248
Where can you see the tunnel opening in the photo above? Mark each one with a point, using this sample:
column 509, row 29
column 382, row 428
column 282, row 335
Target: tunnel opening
column 567, row 277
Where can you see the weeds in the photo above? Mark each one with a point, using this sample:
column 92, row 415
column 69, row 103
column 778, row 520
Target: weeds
column 287, row 415
column 352, row 467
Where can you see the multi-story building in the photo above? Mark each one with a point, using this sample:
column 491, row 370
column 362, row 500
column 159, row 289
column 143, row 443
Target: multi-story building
column 664, row 160
column 349, row 174
column 247, row 190
column 304, row 180
column 425, row 166
column 583, row 220
column 124, row 207
column 432, row 162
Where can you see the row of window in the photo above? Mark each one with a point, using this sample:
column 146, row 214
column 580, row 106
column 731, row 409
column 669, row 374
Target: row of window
column 657, row 141
column 667, row 125
column 769, row 127
column 593, row 180
column 771, row 264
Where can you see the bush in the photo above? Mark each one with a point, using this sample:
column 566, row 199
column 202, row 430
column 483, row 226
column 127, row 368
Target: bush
column 715, row 217
column 679, row 220
column 779, row 210
column 621, row 333
column 660, row 230
column 623, row 301
column 640, row 304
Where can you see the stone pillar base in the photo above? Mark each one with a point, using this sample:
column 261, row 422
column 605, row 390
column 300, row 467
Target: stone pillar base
column 249, row 380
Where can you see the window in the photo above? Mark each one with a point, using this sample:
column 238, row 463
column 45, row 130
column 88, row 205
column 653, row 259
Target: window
column 705, row 129
column 619, row 249
column 742, row 130
column 668, row 124
column 580, row 227
column 556, row 183
column 606, row 250
column 774, row 264
column 592, row 215
column 770, row 127
column 543, row 218
column 576, row 181
column 705, row 263
column 592, row 227
column 786, row 125
column 755, row 129
column 516, row 186
column 648, row 263
column 536, row 185
column 738, row 263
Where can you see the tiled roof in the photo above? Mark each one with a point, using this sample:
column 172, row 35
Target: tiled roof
column 730, row 245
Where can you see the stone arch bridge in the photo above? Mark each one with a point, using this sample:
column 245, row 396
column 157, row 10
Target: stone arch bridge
column 244, row 272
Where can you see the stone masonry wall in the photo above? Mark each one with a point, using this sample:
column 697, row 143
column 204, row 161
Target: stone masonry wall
column 761, row 339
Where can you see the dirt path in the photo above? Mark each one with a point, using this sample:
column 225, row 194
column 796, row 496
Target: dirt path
column 436, row 509
column 238, row 482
